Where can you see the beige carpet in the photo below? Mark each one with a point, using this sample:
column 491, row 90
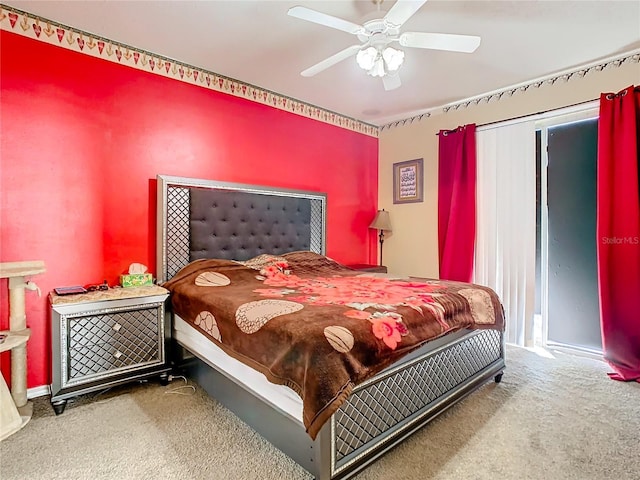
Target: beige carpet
column 550, row 418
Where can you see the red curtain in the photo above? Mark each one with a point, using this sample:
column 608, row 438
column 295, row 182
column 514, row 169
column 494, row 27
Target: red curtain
column 618, row 227
column 457, row 202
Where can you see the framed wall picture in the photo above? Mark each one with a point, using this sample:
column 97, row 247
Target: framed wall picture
column 408, row 181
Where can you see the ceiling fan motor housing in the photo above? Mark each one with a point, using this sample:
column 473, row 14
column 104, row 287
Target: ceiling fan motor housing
column 378, row 32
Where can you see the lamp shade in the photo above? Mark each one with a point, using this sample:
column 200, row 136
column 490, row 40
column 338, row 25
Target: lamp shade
column 382, row 221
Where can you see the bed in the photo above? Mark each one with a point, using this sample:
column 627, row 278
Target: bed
column 219, row 236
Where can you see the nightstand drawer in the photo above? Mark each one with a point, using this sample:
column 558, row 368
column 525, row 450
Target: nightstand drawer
column 131, row 325
column 104, row 358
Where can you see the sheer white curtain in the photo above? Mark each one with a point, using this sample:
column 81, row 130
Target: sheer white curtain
column 505, row 250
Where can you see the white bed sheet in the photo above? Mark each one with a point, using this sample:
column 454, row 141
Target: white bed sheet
column 280, row 396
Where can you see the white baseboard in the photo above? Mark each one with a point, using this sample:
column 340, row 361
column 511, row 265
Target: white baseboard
column 41, row 391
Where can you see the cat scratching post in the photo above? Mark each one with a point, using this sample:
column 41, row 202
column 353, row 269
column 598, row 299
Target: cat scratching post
column 15, row 411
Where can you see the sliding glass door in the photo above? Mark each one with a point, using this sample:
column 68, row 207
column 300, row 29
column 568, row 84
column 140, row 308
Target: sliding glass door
column 568, row 235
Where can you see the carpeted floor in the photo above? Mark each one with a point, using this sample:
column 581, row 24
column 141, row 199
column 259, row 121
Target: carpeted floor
column 550, row 419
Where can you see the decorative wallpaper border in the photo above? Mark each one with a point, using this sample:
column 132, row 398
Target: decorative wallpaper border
column 566, row 76
column 44, row 30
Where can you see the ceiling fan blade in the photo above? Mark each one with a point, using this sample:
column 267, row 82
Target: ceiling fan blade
column 320, row 18
column 391, row 82
column 332, row 60
column 402, row 10
column 440, row 41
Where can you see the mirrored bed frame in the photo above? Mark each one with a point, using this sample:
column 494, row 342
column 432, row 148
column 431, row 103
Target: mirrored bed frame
column 381, row 412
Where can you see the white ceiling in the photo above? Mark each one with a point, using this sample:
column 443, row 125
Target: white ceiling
column 258, row 43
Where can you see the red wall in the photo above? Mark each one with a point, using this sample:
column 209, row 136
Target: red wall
column 82, row 141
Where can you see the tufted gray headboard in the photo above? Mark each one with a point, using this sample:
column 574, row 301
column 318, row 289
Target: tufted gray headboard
column 209, row 219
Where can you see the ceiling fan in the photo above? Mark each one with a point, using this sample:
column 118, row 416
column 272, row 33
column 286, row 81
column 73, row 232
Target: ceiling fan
column 374, row 54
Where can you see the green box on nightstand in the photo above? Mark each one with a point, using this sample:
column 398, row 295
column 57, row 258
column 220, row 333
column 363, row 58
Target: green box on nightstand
column 136, row 279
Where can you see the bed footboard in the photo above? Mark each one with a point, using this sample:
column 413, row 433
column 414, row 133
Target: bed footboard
column 382, row 412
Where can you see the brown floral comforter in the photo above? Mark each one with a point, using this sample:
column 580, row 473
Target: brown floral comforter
column 318, row 327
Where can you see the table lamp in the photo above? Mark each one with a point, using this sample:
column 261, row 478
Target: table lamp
column 381, row 222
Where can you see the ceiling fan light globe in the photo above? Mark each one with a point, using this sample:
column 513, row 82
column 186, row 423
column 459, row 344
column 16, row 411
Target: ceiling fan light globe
column 393, row 58
column 366, row 58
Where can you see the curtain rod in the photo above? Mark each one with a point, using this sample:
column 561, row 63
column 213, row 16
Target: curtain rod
column 522, row 117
